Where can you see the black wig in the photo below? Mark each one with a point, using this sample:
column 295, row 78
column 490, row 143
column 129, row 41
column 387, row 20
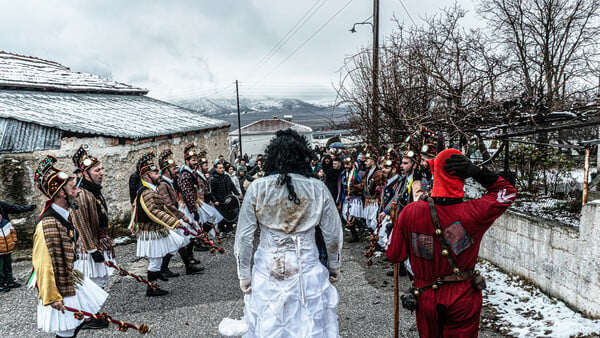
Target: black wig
column 288, row 153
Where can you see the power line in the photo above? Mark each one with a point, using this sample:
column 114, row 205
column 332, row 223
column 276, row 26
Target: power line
column 310, row 37
column 407, row 13
column 299, row 24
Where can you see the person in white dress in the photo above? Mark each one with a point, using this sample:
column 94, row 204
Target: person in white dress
column 288, row 291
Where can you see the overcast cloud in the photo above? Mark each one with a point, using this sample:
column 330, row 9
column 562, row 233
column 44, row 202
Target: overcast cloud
column 195, row 48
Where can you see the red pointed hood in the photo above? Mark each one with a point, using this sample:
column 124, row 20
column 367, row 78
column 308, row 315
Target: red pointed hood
column 445, row 185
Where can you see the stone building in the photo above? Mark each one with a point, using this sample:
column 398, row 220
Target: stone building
column 47, row 109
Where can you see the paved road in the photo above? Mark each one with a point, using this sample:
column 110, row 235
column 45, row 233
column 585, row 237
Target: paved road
column 197, row 303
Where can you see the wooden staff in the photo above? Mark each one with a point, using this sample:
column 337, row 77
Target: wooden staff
column 204, row 238
column 396, row 275
column 374, row 238
column 103, row 316
column 217, row 232
column 124, row 272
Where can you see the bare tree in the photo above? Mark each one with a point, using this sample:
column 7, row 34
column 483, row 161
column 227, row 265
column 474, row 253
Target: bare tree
column 550, row 41
column 439, row 74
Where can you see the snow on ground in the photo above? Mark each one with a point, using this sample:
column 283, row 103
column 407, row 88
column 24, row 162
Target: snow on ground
column 542, row 207
column 548, row 209
column 527, row 312
column 122, row 240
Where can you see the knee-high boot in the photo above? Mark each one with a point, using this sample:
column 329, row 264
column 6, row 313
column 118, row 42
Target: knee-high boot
column 150, row 292
column 190, row 269
column 164, row 268
column 352, row 227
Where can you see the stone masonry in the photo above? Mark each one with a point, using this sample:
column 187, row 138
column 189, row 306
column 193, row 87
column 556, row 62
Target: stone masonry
column 119, row 161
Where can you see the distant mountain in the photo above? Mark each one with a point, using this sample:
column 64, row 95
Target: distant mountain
column 208, row 106
column 315, row 114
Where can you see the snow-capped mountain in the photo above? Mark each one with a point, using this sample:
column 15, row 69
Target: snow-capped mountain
column 315, row 114
column 221, row 106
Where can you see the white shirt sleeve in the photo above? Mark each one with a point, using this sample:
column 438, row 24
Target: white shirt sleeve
column 244, row 236
column 331, row 227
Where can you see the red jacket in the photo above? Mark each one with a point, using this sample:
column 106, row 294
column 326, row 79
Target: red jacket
column 464, row 224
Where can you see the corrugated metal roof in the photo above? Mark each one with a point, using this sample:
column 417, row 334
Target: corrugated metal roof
column 126, row 116
column 20, row 137
column 269, row 126
column 26, row 72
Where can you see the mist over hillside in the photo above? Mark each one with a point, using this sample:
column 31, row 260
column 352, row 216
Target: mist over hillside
column 319, row 114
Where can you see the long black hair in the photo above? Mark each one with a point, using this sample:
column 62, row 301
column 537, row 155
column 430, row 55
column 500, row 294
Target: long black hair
column 288, row 153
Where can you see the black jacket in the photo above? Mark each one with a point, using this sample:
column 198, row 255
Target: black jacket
column 135, row 183
column 331, row 180
column 9, row 208
column 221, row 186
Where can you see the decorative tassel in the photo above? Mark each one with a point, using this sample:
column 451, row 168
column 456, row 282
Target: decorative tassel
column 103, row 316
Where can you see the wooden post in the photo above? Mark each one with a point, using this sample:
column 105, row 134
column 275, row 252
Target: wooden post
column 237, row 96
column 586, row 174
column 375, row 92
column 396, row 300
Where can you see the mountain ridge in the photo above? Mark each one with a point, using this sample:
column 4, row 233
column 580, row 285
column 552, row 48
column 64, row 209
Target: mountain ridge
column 317, row 114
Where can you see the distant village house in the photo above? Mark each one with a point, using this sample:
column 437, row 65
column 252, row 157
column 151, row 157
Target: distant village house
column 256, row 136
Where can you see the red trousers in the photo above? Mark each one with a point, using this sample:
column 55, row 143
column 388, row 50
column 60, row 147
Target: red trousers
column 442, row 314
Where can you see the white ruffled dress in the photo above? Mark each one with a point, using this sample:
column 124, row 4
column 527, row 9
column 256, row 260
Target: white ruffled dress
column 88, row 297
column 91, row 269
column 291, row 293
column 152, row 246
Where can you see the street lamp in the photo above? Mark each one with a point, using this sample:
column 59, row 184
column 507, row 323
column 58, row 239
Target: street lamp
column 353, row 29
column 374, row 139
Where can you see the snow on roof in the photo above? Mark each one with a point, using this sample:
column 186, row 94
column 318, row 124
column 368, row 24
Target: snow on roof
column 271, row 126
column 126, row 116
column 26, row 72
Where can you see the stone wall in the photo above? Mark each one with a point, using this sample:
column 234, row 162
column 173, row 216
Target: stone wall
column 562, row 261
column 119, row 161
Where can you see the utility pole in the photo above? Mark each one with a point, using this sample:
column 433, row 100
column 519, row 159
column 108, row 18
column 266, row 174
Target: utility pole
column 237, row 95
column 375, row 95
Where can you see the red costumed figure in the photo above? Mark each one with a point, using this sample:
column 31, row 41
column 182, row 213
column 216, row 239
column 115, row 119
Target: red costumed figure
column 449, row 299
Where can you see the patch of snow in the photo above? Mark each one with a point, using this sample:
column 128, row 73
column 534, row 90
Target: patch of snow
column 122, row 240
column 528, row 312
column 564, row 113
column 548, row 208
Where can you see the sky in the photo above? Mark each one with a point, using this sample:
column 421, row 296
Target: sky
column 198, row 48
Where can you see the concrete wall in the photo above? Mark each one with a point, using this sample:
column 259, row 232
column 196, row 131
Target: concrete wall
column 562, row 261
column 119, row 161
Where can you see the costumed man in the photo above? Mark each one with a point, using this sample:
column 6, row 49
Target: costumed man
column 288, row 292
column 153, row 225
column 91, row 221
column 391, row 188
column 167, row 191
column 412, row 189
column 371, row 195
column 349, row 199
column 411, row 161
column 441, row 236
column 187, row 186
column 203, row 177
column 210, row 214
column 431, row 144
column 58, row 283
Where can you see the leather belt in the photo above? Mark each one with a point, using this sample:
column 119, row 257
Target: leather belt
column 462, row 276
